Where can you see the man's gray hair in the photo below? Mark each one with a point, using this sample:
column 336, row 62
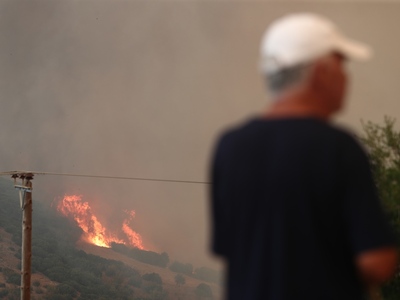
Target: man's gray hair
column 285, row 78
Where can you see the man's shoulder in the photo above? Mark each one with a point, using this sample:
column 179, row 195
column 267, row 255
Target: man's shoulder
column 289, row 132
column 240, row 131
column 289, row 127
column 348, row 138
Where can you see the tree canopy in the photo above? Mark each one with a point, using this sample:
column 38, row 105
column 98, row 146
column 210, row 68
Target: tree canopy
column 383, row 145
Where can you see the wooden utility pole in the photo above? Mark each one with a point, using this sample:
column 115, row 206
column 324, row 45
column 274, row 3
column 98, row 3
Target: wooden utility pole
column 25, row 194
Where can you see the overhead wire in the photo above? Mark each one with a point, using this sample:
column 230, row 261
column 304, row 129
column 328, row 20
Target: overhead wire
column 103, row 176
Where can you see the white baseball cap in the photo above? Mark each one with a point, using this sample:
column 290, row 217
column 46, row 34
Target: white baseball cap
column 303, row 37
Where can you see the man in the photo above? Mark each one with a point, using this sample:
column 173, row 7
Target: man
column 294, row 207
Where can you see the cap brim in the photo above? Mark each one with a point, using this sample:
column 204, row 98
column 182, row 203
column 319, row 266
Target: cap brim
column 354, row 50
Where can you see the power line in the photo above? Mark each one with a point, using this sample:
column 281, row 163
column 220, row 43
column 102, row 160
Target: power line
column 18, row 173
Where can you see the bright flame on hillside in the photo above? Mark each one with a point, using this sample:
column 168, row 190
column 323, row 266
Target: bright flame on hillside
column 94, row 231
column 134, row 237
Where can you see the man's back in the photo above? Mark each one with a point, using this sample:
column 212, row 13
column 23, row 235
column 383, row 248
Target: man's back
column 293, row 204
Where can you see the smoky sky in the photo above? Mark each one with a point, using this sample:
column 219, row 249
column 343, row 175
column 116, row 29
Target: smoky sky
column 143, row 88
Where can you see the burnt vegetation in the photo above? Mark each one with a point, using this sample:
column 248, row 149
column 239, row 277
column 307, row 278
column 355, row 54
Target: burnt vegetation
column 74, row 273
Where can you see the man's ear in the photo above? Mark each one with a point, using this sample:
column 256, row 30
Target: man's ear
column 318, row 74
column 313, row 75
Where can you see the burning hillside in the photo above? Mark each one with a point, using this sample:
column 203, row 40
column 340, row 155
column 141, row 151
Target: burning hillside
column 73, row 206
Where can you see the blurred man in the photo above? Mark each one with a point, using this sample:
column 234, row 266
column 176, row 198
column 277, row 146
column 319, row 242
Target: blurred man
column 294, row 207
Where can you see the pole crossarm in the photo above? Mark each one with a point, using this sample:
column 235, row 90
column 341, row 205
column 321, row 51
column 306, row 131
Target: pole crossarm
column 22, row 187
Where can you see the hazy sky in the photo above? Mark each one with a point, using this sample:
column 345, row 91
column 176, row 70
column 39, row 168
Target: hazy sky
column 142, row 88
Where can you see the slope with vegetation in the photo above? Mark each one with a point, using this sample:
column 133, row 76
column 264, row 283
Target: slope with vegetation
column 63, row 271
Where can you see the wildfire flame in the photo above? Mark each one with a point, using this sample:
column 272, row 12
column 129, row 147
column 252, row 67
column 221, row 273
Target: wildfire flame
column 94, row 231
column 134, row 238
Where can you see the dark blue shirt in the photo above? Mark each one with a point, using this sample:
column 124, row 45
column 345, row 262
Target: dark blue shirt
column 293, row 203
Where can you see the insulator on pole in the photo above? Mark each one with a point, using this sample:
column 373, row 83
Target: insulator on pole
column 15, row 176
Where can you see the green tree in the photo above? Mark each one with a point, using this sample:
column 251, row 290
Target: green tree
column 183, row 268
column 152, row 285
column 207, row 274
column 3, row 293
column 152, row 277
column 383, row 146
column 12, row 276
column 203, row 291
column 180, row 279
column 135, row 280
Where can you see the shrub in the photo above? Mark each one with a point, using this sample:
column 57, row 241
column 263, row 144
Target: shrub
column 12, row 276
column 207, row 274
column 179, row 267
column 152, row 277
column 65, row 289
column 148, row 257
column 36, row 283
column 180, row 279
column 203, row 291
column 383, row 145
column 3, row 293
column 135, row 281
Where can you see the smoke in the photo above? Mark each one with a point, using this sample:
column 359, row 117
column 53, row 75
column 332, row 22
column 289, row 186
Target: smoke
column 112, row 88
column 141, row 88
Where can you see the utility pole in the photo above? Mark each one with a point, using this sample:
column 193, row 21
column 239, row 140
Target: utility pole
column 25, row 197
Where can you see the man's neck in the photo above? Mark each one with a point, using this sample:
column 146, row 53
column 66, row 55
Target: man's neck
column 298, row 105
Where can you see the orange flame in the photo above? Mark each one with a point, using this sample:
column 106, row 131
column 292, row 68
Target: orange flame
column 134, row 238
column 94, row 231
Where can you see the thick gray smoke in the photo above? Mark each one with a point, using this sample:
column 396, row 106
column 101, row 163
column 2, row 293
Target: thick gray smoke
column 115, row 88
column 141, row 88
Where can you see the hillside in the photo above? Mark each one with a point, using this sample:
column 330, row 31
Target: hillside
column 10, row 267
column 64, row 267
column 184, row 292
